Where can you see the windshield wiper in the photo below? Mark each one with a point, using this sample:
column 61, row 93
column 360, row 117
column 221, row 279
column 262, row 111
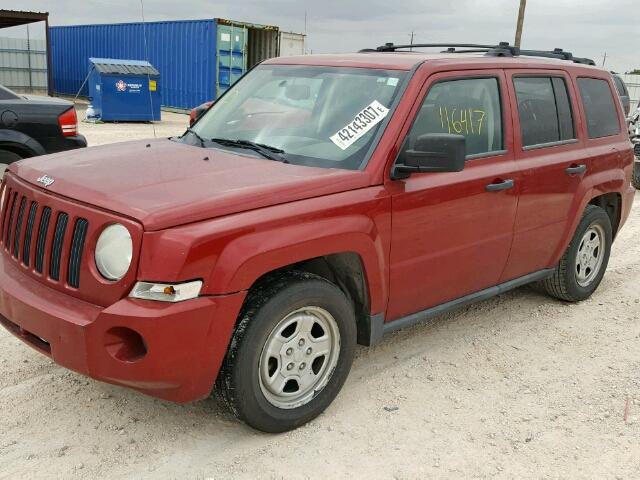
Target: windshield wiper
column 267, row 151
column 195, row 134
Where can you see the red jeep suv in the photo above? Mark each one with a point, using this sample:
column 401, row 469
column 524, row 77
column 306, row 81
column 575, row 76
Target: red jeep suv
column 322, row 202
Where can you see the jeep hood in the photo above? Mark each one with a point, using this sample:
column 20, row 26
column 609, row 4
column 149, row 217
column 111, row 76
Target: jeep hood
column 162, row 183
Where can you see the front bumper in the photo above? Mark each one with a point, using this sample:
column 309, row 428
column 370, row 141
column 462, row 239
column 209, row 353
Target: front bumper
column 169, row 351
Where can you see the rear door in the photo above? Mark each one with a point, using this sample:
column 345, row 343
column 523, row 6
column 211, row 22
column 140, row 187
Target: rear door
column 550, row 157
column 451, row 235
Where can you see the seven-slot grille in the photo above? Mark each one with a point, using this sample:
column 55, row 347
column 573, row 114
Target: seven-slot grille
column 35, row 235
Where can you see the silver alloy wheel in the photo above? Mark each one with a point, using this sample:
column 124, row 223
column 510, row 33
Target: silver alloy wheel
column 299, row 357
column 590, row 255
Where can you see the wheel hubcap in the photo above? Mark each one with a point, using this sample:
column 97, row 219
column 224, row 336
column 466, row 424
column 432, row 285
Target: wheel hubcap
column 590, row 255
column 299, row 357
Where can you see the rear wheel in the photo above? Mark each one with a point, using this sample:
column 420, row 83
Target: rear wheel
column 585, row 261
column 7, row 158
column 291, row 352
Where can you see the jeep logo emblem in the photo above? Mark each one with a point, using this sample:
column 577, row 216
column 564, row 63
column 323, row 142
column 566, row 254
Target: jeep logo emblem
column 45, row 180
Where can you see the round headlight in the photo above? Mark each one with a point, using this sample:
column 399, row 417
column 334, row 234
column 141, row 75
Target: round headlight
column 114, row 252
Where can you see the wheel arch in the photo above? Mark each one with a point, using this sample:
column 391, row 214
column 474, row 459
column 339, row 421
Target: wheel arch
column 20, row 143
column 602, row 190
column 346, row 271
column 611, row 203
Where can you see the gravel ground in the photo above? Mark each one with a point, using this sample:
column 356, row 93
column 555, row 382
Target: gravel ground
column 520, row 386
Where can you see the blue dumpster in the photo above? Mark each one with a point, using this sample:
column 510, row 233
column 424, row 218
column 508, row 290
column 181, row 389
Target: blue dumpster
column 124, row 90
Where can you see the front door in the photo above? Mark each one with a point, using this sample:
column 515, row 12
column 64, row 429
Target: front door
column 452, row 232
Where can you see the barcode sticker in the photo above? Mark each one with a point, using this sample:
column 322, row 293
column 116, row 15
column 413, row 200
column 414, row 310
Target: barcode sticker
column 364, row 121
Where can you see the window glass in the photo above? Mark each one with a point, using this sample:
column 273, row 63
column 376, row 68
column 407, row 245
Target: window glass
column 318, row 116
column 469, row 107
column 544, row 110
column 563, row 104
column 599, row 107
column 620, row 86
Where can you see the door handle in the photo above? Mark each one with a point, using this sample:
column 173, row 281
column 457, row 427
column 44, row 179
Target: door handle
column 576, row 169
column 498, row 186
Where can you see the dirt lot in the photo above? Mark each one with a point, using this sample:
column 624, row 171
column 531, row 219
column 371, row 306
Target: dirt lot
column 517, row 386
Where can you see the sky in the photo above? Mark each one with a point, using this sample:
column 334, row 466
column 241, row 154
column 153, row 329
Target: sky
column 587, row 28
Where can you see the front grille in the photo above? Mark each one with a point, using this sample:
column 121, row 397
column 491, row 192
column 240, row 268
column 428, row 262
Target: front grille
column 42, row 238
column 56, row 249
column 27, row 227
column 77, row 247
column 28, row 234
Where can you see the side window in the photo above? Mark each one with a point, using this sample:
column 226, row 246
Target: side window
column 599, row 107
column 469, row 107
column 544, row 109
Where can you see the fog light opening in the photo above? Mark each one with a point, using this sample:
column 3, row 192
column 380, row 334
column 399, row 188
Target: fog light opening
column 125, row 345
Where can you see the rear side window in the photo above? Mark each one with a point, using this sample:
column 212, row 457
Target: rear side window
column 599, row 107
column 469, row 107
column 544, row 109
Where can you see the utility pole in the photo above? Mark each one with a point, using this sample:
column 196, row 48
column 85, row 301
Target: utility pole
column 523, row 4
column 412, row 36
column 604, row 59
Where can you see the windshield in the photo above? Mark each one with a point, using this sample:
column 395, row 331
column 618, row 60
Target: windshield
column 315, row 116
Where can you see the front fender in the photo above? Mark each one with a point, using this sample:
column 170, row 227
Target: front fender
column 252, row 256
column 232, row 252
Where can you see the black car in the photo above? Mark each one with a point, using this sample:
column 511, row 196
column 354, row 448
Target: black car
column 622, row 92
column 33, row 125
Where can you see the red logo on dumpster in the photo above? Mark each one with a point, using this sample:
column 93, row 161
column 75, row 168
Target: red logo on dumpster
column 121, row 86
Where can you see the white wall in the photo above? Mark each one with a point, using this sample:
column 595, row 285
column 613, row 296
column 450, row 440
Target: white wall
column 23, row 64
column 633, row 85
column 292, row 44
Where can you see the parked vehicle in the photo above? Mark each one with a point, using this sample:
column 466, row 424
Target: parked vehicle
column 321, row 202
column 197, row 112
column 623, row 92
column 634, row 135
column 32, row 125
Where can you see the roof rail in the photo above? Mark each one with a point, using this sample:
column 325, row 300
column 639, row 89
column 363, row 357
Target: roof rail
column 390, row 47
column 502, row 49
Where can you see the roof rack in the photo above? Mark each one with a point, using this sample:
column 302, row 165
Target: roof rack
column 502, row 49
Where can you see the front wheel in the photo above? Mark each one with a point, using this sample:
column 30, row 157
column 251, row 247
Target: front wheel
column 291, row 352
column 585, row 261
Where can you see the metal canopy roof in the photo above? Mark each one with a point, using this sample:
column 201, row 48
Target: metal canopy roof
column 123, row 67
column 14, row 18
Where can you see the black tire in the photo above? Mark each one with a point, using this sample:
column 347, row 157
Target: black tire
column 7, row 158
column 564, row 282
column 635, row 179
column 239, row 386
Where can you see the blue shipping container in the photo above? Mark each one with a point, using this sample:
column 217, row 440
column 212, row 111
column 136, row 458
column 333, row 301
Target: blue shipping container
column 197, row 59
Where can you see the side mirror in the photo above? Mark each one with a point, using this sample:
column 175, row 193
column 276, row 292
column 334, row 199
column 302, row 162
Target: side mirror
column 431, row 152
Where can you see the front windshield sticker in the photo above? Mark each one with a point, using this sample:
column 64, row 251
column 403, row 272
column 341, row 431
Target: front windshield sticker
column 364, row 121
